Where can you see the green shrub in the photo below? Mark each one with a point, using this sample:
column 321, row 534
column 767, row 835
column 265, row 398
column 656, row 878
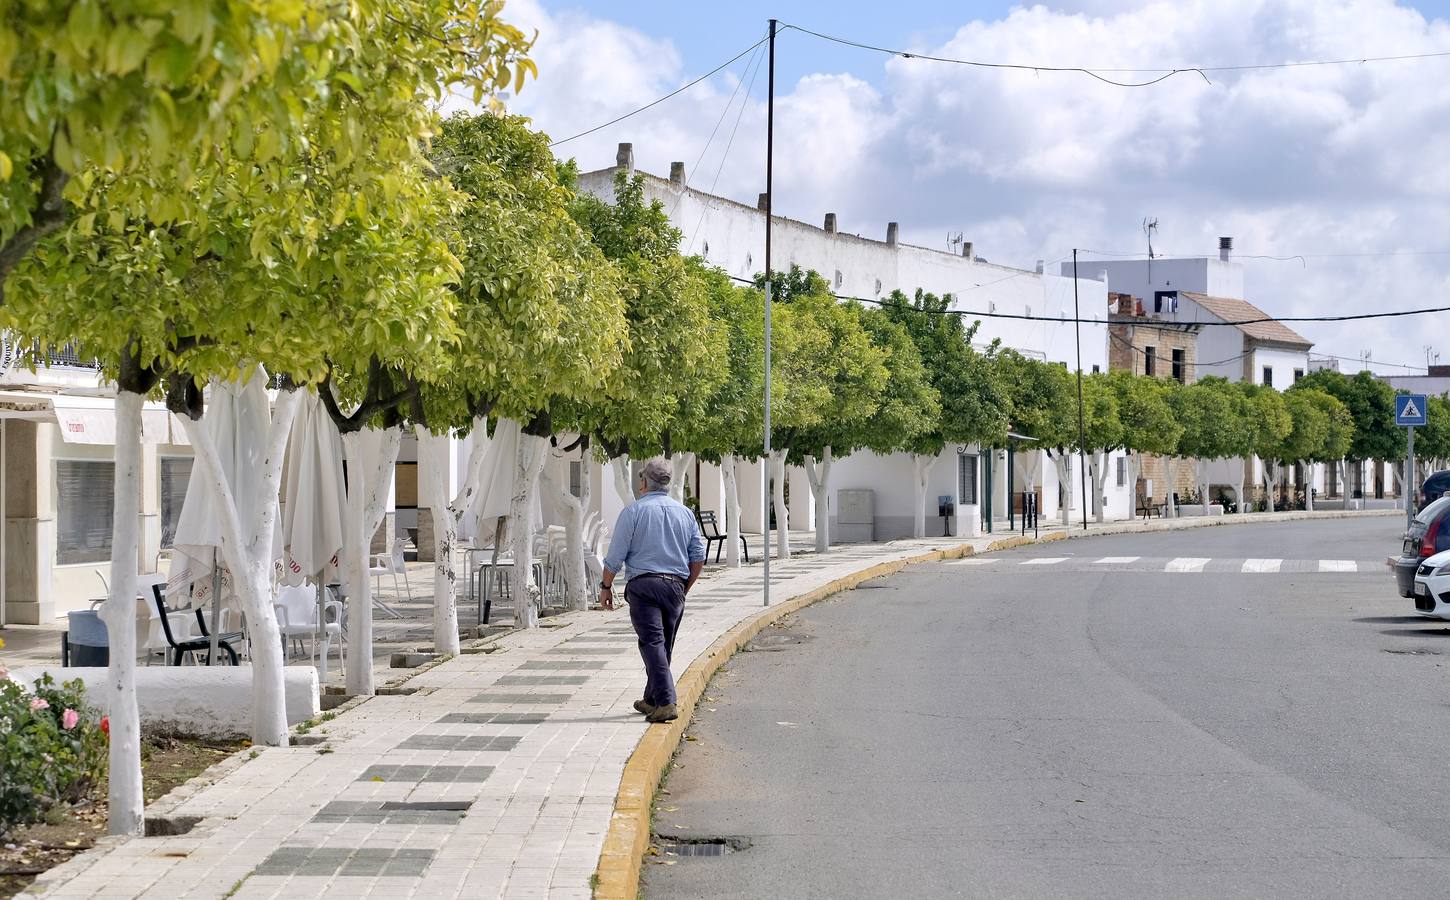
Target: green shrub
column 53, row 748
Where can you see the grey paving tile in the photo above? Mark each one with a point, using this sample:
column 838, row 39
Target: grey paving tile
column 512, row 698
column 542, row 679
column 428, row 774
column 564, row 664
column 565, row 649
column 493, row 718
column 329, row 861
column 470, row 742
column 391, row 813
column 610, row 638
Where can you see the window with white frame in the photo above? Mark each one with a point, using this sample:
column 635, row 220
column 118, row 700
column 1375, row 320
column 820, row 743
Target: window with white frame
column 175, row 476
column 85, row 503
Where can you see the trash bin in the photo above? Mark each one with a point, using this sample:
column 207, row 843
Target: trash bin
column 86, row 641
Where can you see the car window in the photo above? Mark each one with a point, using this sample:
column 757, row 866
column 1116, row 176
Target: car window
column 1436, row 507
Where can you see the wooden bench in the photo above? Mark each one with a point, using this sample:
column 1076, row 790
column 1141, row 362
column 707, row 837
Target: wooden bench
column 710, row 531
column 1147, row 508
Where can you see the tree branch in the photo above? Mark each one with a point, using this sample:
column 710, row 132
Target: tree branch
column 50, row 213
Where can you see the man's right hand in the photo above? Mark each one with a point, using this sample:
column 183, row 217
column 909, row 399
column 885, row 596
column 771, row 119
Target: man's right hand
column 606, row 598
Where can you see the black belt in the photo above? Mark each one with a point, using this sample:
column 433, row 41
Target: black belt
column 679, row 579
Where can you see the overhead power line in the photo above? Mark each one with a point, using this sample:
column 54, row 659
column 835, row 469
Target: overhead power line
column 653, row 103
column 1160, row 72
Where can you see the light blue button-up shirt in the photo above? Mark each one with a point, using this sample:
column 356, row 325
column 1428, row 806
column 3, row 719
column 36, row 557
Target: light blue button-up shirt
column 655, row 534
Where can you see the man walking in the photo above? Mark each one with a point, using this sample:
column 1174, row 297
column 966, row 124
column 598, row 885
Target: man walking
column 657, row 542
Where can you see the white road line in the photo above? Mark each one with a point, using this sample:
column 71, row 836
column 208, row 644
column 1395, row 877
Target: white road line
column 1186, row 564
column 1045, row 561
column 1262, row 565
column 1338, row 565
column 970, row 561
column 1115, row 560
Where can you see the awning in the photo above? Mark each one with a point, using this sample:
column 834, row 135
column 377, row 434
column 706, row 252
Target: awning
column 83, row 419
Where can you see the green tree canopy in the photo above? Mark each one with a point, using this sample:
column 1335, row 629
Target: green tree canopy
column 1146, row 412
column 1267, row 421
column 1371, row 406
column 1212, row 418
column 1041, row 399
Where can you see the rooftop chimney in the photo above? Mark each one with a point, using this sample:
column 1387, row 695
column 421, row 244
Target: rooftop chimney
column 969, row 251
column 891, row 231
column 625, row 157
column 677, row 174
column 762, row 202
column 830, row 223
column 1225, row 248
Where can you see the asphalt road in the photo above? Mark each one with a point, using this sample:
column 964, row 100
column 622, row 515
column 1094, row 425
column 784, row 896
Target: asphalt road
column 1089, row 726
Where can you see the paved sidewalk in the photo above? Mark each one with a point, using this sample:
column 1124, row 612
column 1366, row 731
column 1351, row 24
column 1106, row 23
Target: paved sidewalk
column 497, row 778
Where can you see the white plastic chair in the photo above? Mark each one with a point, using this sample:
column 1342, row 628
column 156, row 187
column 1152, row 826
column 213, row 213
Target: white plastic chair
column 296, row 608
column 390, row 564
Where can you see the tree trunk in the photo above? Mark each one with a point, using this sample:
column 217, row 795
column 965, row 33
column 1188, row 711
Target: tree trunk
column 576, row 579
column 532, row 451
column 366, row 506
column 1246, row 478
column 1100, row 478
column 1308, row 485
column 732, row 511
column 1063, row 463
column 920, row 474
column 820, row 479
column 1170, row 469
column 119, row 615
column 619, row 467
column 782, row 515
column 247, row 550
column 681, row 465
column 445, row 538
column 1202, row 474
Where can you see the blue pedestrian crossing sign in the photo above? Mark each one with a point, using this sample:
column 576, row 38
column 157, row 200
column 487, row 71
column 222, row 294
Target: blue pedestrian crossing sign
column 1410, row 409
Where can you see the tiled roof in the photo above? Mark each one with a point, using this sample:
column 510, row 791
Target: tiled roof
column 1239, row 310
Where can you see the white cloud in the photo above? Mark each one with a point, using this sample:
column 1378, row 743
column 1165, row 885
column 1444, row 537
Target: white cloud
column 1028, row 165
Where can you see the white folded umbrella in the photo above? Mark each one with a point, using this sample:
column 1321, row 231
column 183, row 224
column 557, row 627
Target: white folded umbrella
column 238, row 416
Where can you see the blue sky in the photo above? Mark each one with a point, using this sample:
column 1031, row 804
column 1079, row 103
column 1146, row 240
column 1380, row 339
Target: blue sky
column 1323, row 161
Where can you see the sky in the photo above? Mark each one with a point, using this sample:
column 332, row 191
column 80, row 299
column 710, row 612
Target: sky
column 1342, row 168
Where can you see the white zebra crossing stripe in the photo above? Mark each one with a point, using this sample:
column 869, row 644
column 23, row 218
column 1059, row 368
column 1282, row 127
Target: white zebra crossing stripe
column 971, row 561
column 1186, row 564
column 1262, row 565
column 1115, row 560
column 1045, row 561
column 1338, row 565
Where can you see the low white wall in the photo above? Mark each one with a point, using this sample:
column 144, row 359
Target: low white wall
column 200, row 701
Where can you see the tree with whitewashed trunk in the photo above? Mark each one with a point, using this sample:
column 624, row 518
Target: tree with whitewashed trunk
column 835, row 375
column 1323, row 435
column 971, row 393
column 1102, row 434
column 577, row 574
column 539, row 307
column 1269, row 422
column 1213, row 426
column 1042, row 404
column 1147, row 421
column 669, row 361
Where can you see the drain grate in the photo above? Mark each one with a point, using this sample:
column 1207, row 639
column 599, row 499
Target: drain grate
column 676, row 845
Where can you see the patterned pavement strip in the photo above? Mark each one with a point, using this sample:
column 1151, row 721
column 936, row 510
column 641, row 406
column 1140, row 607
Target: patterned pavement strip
column 497, row 778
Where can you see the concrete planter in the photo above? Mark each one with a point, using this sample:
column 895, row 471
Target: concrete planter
column 1196, row 509
column 196, row 701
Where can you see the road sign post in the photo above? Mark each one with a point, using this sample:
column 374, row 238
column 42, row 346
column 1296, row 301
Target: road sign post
column 1410, row 412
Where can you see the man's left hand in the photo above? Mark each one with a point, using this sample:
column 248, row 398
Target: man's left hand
column 606, row 598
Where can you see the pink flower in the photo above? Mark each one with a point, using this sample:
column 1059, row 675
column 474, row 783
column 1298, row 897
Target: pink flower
column 4, row 673
column 38, row 703
column 69, row 719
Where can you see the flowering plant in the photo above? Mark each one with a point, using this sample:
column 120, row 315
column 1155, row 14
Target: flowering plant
column 52, row 747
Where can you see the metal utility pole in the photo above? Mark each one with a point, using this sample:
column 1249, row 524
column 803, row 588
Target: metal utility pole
column 1081, row 430
column 769, row 167
column 1412, row 493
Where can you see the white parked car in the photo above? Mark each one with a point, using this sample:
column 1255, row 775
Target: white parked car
column 1432, row 586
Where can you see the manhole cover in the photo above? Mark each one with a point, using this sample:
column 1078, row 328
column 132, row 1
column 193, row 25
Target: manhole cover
column 674, row 845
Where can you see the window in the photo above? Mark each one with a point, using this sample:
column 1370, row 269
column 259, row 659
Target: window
column 967, row 479
column 85, row 503
column 1268, row 376
column 175, row 475
column 1150, row 360
column 1178, row 374
column 1122, row 471
column 1096, row 369
column 1298, row 374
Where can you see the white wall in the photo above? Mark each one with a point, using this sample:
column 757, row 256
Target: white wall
column 1283, row 362
column 1143, row 277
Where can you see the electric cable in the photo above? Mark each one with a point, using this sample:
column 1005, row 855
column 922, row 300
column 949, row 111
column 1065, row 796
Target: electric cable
column 653, row 103
column 724, row 155
column 725, row 111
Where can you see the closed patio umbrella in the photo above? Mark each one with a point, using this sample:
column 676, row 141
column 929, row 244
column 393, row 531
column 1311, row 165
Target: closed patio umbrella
column 314, row 499
column 238, row 416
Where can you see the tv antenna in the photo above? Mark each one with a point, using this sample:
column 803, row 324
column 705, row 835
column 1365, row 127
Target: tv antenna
column 955, row 241
column 1150, row 227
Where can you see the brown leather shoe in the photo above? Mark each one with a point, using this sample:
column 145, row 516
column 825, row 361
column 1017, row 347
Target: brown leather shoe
column 662, row 714
column 642, row 707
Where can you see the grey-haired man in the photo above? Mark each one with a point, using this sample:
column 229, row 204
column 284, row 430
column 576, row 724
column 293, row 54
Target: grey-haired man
column 657, row 542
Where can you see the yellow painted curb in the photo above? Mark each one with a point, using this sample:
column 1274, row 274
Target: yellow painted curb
column 617, row 877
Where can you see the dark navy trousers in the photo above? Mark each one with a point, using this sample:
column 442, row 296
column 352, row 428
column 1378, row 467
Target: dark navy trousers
column 656, row 608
